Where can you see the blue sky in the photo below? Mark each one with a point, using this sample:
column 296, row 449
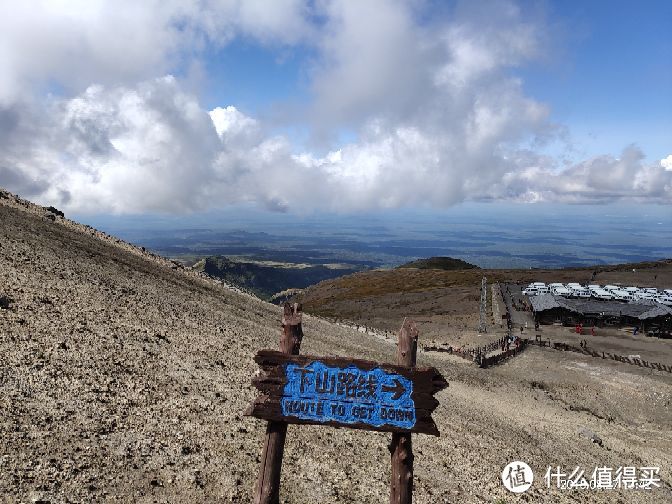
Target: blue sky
column 255, row 77
column 607, row 76
column 612, row 77
column 148, row 108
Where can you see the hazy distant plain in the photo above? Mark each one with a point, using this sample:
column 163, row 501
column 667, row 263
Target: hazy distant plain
column 489, row 235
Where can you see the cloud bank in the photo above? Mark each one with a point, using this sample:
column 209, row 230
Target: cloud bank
column 92, row 119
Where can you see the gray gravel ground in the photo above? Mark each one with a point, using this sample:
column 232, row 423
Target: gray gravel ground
column 123, row 378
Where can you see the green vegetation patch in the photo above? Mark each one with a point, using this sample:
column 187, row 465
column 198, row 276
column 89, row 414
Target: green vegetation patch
column 266, row 278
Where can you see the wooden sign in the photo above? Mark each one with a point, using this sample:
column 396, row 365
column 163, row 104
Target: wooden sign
column 343, row 392
column 346, row 392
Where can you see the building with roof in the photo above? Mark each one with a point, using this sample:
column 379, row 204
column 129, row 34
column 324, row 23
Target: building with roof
column 647, row 315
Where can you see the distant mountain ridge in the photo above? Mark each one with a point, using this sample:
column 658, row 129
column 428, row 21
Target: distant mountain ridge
column 440, row 263
column 265, row 280
column 269, row 280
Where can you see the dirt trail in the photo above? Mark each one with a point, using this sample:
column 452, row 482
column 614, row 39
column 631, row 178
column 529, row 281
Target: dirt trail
column 124, row 379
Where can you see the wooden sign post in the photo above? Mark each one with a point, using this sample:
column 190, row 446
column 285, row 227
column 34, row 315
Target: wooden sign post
column 401, row 449
column 268, row 485
column 345, row 392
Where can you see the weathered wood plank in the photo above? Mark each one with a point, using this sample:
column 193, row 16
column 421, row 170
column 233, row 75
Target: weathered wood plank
column 282, row 374
column 268, row 408
column 272, row 362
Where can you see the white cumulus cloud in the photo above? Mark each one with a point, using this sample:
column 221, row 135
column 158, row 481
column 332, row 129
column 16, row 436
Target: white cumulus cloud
column 76, row 43
column 667, row 163
column 436, row 114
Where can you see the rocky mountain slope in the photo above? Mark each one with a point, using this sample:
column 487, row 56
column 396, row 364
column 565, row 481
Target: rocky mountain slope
column 123, row 378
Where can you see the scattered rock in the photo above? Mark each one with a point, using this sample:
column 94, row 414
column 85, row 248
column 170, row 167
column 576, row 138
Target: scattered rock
column 5, row 302
column 162, row 337
column 585, row 432
column 55, row 211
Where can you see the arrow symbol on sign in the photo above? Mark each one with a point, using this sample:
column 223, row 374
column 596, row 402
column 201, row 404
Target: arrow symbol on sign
column 398, row 389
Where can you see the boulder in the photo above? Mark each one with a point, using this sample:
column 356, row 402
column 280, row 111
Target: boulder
column 54, row 211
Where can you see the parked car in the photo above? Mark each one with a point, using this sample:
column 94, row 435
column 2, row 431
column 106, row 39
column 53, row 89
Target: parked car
column 582, row 293
column 602, row 294
column 561, row 291
column 666, row 300
column 621, row 295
